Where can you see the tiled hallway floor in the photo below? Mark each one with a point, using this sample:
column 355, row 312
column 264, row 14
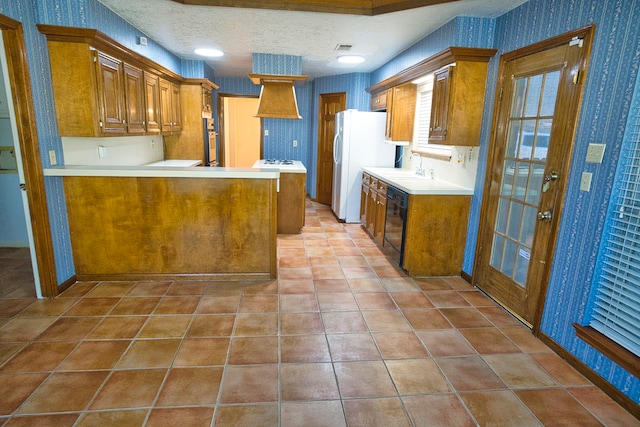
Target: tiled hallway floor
column 341, row 338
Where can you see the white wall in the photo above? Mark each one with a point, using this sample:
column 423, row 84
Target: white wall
column 119, row 151
column 463, row 173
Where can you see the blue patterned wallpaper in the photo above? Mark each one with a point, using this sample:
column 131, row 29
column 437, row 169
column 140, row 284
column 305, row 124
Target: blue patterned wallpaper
column 610, row 86
column 268, row 63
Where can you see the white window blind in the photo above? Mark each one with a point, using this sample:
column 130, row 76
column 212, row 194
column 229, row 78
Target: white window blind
column 616, row 310
column 423, row 115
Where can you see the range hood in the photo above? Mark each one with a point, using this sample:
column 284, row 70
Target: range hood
column 277, row 96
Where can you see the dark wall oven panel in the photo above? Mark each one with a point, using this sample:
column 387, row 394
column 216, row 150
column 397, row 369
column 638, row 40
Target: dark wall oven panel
column 395, row 221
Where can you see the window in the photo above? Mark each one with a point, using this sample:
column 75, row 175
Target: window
column 422, row 122
column 423, row 113
column 614, row 312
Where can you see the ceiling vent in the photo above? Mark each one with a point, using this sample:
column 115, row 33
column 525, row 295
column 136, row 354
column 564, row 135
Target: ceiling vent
column 343, row 47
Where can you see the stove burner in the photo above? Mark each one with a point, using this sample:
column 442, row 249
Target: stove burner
column 277, row 162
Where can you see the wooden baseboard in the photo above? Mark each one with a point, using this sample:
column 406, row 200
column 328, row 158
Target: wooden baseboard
column 466, row 277
column 622, row 399
column 66, row 284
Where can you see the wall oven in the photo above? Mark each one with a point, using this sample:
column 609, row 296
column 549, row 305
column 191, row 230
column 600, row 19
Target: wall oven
column 395, row 221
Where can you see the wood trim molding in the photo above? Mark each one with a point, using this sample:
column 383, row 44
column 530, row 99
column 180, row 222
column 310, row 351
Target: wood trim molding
column 621, row 398
column 351, row 7
column 609, row 348
column 433, row 63
column 16, row 54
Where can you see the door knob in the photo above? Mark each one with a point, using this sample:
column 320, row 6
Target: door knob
column 545, row 216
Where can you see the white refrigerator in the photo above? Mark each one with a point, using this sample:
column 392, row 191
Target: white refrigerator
column 358, row 142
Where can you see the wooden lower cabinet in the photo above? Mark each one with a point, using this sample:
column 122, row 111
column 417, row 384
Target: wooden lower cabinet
column 435, row 234
column 435, row 228
column 291, row 202
column 142, row 228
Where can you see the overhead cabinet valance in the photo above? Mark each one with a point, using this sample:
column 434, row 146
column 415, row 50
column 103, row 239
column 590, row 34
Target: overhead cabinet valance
column 102, row 88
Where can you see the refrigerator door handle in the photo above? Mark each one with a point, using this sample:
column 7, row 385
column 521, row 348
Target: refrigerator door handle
column 335, row 149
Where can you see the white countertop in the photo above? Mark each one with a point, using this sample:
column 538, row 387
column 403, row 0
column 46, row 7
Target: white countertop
column 415, row 184
column 296, row 167
column 162, row 172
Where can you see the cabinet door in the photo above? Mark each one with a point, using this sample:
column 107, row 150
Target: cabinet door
column 378, row 101
column 380, row 213
column 134, row 99
column 166, row 115
column 440, row 105
column 176, row 125
column 110, row 94
column 401, row 109
column 152, row 97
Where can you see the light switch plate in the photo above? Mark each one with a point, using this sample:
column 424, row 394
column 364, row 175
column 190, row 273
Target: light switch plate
column 595, row 153
column 585, row 181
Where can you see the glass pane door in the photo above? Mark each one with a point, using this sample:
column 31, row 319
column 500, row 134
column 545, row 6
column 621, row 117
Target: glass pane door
column 529, row 128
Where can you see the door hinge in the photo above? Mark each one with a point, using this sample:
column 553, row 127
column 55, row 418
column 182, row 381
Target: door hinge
column 576, row 42
column 23, row 186
column 577, row 77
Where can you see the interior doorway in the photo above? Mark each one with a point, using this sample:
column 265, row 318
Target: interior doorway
column 537, row 108
column 330, row 104
column 29, row 164
column 240, row 133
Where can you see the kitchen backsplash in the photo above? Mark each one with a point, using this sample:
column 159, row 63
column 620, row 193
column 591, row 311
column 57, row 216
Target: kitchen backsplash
column 117, row 151
column 461, row 169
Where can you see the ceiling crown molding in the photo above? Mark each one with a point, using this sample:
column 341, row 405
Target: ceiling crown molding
column 348, row 7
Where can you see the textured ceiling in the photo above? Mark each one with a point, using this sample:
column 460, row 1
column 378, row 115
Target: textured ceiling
column 314, row 36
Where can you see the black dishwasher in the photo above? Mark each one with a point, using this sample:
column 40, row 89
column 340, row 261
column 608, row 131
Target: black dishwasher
column 394, row 225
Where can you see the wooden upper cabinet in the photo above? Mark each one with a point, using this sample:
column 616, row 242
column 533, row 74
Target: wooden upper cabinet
column 110, row 94
column 458, row 96
column 439, row 105
column 378, row 101
column 102, row 88
column 134, row 99
column 401, row 109
column 170, row 112
column 152, row 104
column 458, row 101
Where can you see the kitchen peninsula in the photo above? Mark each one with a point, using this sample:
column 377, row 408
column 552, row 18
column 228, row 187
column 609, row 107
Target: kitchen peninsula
column 171, row 223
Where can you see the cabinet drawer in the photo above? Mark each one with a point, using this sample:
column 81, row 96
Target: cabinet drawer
column 366, row 178
column 382, row 188
column 373, row 182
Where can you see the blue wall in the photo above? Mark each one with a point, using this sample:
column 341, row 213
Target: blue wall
column 610, row 86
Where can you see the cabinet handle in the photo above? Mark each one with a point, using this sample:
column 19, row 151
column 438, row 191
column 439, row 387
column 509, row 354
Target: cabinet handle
column 100, row 123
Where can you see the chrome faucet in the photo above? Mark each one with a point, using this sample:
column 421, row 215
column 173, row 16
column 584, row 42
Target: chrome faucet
column 419, row 170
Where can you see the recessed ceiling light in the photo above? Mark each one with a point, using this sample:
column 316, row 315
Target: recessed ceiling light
column 351, row 59
column 208, row 52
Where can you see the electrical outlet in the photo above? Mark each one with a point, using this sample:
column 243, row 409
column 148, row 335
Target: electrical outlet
column 295, row 143
column 595, row 153
column 266, row 132
column 52, row 158
column 585, row 181
column 102, row 151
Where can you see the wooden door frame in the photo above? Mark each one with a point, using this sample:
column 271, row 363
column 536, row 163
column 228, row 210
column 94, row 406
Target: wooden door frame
column 319, row 127
column 16, row 55
column 585, row 33
column 221, row 132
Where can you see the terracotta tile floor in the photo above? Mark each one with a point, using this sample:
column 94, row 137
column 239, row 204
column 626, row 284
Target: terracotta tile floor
column 342, row 338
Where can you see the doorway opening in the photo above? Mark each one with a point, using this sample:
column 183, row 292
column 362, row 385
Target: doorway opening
column 240, row 133
column 330, row 104
column 535, row 116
